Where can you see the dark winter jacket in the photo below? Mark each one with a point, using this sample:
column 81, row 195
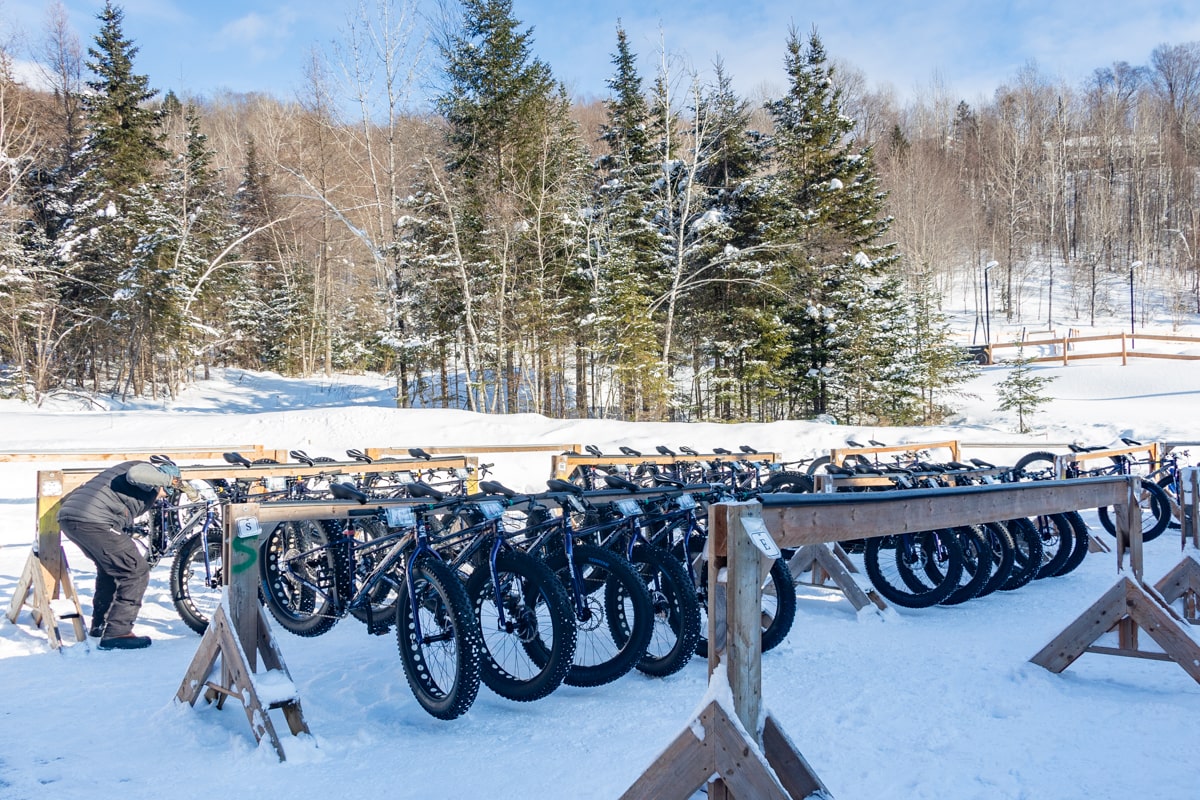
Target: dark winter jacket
column 116, row 496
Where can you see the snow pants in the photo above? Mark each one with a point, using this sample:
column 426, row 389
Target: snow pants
column 122, row 575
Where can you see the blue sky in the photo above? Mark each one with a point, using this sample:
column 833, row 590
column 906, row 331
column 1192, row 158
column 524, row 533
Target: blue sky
column 203, row 46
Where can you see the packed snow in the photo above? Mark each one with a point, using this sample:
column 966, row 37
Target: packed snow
column 938, row 703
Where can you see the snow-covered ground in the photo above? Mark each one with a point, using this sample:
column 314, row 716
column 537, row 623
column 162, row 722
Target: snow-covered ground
column 940, row 703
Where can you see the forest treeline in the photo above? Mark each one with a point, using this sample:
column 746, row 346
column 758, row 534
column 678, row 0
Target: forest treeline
column 672, row 251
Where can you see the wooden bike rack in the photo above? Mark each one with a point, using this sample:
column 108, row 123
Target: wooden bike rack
column 1183, row 580
column 832, row 563
column 1130, row 608
column 239, row 634
column 46, row 580
column 723, row 744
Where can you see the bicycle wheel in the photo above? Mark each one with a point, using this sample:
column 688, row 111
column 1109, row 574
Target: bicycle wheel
column 901, row 566
column 1038, row 462
column 1156, row 512
column 526, row 657
column 1057, row 540
column 778, row 603
column 1171, row 490
column 297, row 576
column 1028, row 553
column 605, row 647
column 676, row 612
column 441, row 664
column 788, row 482
column 195, row 585
column 1079, row 545
column 1004, row 556
column 815, row 465
column 977, row 566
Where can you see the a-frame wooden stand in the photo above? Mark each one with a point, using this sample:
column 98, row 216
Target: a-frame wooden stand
column 1129, row 607
column 41, row 587
column 717, row 747
column 238, row 678
column 239, row 634
column 1183, row 581
column 830, row 562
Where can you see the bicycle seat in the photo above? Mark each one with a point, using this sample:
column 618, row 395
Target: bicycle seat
column 236, row 458
column 417, row 452
column 747, row 449
column 629, row 451
column 358, row 455
column 559, row 485
column 721, row 451
column 496, row 487
column 303, row 458
column 420, row 489
column 596, row 451
column 617, row 482
column 345, row 491
column 979, row 462
column 664, row 450
column 687, row 451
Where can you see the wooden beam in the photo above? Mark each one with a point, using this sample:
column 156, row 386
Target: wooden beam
column 800, row 519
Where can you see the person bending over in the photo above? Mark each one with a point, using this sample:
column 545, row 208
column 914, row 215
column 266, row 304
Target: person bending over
column 96, row 517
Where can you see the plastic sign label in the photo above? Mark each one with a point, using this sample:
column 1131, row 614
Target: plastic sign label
column 403, row 477
column 276, row 483
column 400, row 517
column 461, row 473
column 247, row 527
column 686, row 502
column 51, row 488
column 628, row 508
column 756, row 529
column 491, row 509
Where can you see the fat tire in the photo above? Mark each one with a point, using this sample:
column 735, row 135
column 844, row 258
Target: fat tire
column 453, row 650
column 1036, row 457
column 977, row 565
column 1028, row 544
column 1159, row 511
column 611, row 586
column 676, row 612
column 188, row 558
column 295, row 607
column 885, row 552
column 1004, row 554
column 529, row 658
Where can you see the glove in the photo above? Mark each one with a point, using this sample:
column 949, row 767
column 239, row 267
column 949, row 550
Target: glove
column 187, row 489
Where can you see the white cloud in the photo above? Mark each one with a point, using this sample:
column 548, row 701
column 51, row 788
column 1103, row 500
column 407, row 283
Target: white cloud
column 261, row 36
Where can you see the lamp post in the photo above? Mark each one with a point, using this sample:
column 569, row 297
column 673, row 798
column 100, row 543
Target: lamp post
column 1132, row 267
column 987, row 305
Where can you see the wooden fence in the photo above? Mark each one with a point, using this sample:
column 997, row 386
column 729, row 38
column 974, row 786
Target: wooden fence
column 1066, row 344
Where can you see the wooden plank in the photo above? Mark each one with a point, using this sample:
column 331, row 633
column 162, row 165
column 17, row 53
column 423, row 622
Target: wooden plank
column 1182, row 579
column 196, row 676
column 434, row 450
column 837, row 455
column 740, row 763
column 1097, row 620
column 1149, row 655
column 683, row 767
column 793, row 770
column 1166, row 628
column 800, row 519
column 108, row 454
column 743, row 656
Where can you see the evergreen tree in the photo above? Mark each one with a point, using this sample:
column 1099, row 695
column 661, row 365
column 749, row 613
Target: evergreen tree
column 628, row 267
column 830, row 219
column 1022, row 391
column 115, row 195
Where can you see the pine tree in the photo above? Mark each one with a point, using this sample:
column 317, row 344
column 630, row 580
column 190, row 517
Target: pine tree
column 1022, row 391
column 115, row 195
column 830, row 219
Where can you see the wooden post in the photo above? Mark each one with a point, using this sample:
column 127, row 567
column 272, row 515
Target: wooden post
column 1065, row 345
column 1124, row 351
column 726, row 748
column 239, row 633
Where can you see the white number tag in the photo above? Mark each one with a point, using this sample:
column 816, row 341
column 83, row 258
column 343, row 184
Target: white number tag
column 400, row 517
column 628, row 508
column 491, row 509
column 276, row 483
column 461, row 473
column 756, row 529
column 686, row 502
column 247, row 527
